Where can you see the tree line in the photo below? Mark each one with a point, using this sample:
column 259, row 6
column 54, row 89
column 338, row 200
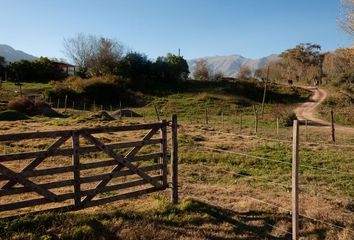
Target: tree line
column 307, row 64
column 99, row 56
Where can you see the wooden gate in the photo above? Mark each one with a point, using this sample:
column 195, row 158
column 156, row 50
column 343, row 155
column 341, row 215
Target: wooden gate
column 83, row 180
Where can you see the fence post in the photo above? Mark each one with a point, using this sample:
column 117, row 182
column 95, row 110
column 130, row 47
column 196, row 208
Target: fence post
column 222, row 119
column 101, row 107
column 65, row 102
column 255, row 119
column 163, row 149
column 76, row 168
column 295, row 181
column 94, row 105
column 73, row 106
column 332, row 127
column 174, row 160
column 157, row 112
column 84, row 106
column 241, row 122
column 58, row 102
column 206, row 116
column 277, row 126
column 306, row 130
column 110, row 107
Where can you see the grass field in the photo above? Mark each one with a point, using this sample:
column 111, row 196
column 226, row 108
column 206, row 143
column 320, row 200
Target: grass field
column 234, row 184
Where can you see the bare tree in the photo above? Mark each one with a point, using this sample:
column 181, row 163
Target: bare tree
column 93, row 55
column 346, row 16
column 201, row 70
column 244, row 71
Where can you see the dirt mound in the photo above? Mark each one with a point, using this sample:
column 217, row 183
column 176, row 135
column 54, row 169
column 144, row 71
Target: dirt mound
column 103, row 115
column 125, row 113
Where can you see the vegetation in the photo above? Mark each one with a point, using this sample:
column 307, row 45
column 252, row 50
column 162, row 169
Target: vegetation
column 305, row 63
column 12, row 115
column 41, row 70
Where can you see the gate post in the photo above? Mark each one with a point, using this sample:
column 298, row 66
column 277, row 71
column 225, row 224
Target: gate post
column 76, row 168
column 163, row 149
column 174, row 160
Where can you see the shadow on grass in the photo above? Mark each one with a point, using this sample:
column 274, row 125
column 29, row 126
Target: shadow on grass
column 192, row 219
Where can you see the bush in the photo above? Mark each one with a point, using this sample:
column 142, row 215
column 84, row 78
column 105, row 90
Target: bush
column 22, row 105
column 107, row 90
column 11, row 115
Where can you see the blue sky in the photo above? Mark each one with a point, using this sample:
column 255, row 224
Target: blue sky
column 252, row 28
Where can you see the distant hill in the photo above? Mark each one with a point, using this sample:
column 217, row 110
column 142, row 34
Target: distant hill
column 229, row 65
column 12, row 55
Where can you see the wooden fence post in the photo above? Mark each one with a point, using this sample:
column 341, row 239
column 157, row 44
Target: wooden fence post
column 73, row 105
column 222, row 119
column 110, row 107
column 174, row 160
column 84, row 106
column 76, row 168
column 206, row 116
column 306, row 130
column 157, row 112
column 277, row 126
column 65, row 102
column 332, row 127
column 295, row 182
column 163, row 149
column 241, row 122
column 58, row 103
column 101, row 107
column 94, row 105
column 255, row 119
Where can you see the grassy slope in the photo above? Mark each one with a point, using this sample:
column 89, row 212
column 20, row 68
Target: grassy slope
column 342, row 103
column 208, row 175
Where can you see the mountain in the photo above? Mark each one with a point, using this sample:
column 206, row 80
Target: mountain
column 229, row 65
column 12, row 55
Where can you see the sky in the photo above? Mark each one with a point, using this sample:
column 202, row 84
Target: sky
column 251, row 28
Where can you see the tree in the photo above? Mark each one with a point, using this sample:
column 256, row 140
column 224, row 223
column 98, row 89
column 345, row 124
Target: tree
column 304, row 62
column 136, row 68
column 93, row 55
column 201, row 70
column 244, row 71
column 346, row 16
column 178, row 67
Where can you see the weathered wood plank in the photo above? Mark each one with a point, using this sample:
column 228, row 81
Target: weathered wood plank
column 163, row 149
column 33, row 202
column 76, row 167
column 51, row 185
column 123, row 196
column 51, row 134
column 69, row 151
column 131, row 154
column 108, row 176
column 112, row 162
column 119, row 186
column 27, row 183
column 85, row 166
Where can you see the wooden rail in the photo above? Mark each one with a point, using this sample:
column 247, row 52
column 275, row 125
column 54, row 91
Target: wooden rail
column 131, row 174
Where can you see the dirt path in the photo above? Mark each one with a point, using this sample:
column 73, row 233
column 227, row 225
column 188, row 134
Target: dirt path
column 308, row 110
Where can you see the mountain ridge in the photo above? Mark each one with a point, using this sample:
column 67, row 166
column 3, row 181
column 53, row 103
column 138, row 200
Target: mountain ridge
column 13, row 55
column 229, row 65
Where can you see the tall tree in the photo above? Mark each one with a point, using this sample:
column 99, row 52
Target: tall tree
column 93, row 55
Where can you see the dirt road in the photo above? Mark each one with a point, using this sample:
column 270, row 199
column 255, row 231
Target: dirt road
column 307, row 111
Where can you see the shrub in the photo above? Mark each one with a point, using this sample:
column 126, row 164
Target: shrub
column 23, row 105
column 11, row 115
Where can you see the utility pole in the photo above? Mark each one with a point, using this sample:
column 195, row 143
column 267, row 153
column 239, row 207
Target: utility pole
column 265, row 90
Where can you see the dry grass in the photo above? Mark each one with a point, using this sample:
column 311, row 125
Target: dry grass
column 226, row 206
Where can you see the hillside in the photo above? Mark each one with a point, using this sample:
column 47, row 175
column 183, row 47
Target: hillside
column 229, row 65
column 13, row 55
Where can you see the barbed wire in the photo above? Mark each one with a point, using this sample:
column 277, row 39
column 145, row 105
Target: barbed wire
column 278, row 161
